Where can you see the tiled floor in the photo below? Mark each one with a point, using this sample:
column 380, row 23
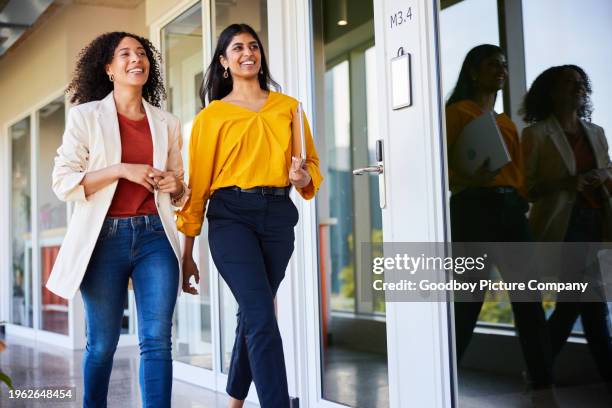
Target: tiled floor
column 356, row 379
column 37, row 365
column 482, row 390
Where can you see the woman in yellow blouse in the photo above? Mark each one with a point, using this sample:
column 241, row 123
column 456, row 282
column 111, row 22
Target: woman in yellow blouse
column 241, row 162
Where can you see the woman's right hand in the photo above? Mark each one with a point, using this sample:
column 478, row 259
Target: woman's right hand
column 480, row 178
column 190, row 269
column 142, row 174
column 483, row 176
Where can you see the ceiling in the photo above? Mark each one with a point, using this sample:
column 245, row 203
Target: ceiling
column 17, row 17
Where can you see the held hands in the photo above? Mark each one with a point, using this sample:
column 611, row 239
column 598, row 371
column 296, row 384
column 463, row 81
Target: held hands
column 142, row 174
column 591, row 179
column 190, row 269
column 298, row 175
column 168, row 182
column 151, row 178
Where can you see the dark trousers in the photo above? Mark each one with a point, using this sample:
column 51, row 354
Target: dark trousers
column 251, row 240
column 485, row 215
column 584, row 226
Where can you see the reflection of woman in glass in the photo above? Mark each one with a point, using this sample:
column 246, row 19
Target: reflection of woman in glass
column 487, row 206
column 120, row 162
column 240, row 158
column 566, row 171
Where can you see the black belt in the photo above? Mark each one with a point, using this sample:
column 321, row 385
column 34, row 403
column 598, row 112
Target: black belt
column 273, row 191
column 494, row 189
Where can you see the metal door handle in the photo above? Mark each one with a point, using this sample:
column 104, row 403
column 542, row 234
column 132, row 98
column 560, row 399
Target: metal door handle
column 378, row 169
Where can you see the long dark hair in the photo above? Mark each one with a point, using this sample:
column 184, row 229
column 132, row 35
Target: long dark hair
column 90, row 81
column 538, row 103
column 216, row 87
column 466, row 86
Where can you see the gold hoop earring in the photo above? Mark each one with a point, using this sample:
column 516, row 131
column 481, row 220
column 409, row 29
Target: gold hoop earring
column 226, row 73
column 111, row 77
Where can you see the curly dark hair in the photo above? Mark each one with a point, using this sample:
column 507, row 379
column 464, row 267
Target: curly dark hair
column 90, row 81
column 538, row 102
column 214, row 86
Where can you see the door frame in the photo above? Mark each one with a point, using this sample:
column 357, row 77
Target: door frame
column 421, row 369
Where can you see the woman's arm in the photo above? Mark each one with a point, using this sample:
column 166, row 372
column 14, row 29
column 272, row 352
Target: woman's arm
column 189, row 267
column 306, row 176
column 72, row 181
column 202, row 156
column 72, row 160
column 172, row 180
column 142, row 174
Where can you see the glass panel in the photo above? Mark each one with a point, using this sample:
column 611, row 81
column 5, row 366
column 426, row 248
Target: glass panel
column 337, row 132
column 564, row 43
column 555, row 33
column 353, row 330
column 51, row 214
column 251, row 12
column 21, row 226
column 463, row 26
column 255, row 14
column 460, row 31
column 373, row 136
column 573, row 35
column 183, row 56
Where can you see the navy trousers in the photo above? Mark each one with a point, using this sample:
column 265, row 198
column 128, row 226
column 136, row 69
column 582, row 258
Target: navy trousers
column 251, row 239
column 483, row 215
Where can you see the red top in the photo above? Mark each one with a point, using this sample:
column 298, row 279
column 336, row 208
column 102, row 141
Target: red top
column 585, row 161
column 132, row 199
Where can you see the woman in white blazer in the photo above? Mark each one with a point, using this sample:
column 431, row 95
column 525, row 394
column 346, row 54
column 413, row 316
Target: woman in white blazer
column 567, row 177
column 120, row 163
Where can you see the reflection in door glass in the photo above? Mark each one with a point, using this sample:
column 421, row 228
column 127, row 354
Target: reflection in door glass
column 183, row 56
column 353, row 330
column 51, row 214
column 21, row 226
column 542, row 342
column 337, row 122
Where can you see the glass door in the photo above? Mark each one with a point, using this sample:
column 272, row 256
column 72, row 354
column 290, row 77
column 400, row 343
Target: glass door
column 372, row 351
column 353, row 350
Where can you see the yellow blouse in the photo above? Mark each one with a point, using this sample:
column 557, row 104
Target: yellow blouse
column 234, row 146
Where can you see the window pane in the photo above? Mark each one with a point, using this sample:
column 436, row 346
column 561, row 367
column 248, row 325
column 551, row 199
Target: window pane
column 337, row 134
column 255, row 14
column 183, row 56
column 353, row 349
column 563, row 43
column 574, row 38
column 21, row 228
column 463, row 26
column 51, row 215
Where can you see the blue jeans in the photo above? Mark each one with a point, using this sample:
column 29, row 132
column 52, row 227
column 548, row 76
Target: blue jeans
column 585, row 226
column 135, row 247
column 251, row 241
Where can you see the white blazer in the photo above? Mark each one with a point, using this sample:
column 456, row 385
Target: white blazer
column 92, row 142
column 548, row 158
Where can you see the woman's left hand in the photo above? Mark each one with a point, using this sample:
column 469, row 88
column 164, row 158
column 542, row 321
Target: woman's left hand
column 298, row 175
column 169, row 182
column 597, row 177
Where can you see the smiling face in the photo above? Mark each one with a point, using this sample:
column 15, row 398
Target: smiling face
column 242, row 56
column 130, row 64
column 569, row 90
column 492, row 73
